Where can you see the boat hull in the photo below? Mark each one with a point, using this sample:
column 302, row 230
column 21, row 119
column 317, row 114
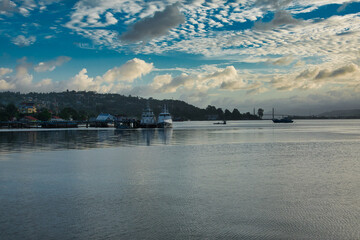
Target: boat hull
column 164, row 125
column 282, row 121
column 150, row 125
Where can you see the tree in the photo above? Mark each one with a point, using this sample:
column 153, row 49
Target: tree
column 220, row 113
column 68, row 112
column 260, row 113
column 227, row 114
column 236, row 115
column 11, row 110
column 43, row 115
column 4, row 116
column 210, row 110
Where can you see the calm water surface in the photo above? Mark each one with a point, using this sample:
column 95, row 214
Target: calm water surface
column 243, row 180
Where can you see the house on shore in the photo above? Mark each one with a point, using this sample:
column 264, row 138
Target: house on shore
column 103, row 120
column 27, row 107
column 29, row 119
column 56, row 119
column 105, row 117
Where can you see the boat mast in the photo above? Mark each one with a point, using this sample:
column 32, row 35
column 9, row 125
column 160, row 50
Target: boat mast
column 273, row 113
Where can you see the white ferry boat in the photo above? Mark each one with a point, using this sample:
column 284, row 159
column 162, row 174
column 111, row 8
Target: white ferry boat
column 164, row 119
column 148, row 119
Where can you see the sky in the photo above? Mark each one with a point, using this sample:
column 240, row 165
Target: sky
column 298, row 56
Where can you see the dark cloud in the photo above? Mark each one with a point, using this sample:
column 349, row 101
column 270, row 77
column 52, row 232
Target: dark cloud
column 155, row 26
column 7, row 6
column 344, row 70
column 281, row 18
column 307, row 74
column 339, row 72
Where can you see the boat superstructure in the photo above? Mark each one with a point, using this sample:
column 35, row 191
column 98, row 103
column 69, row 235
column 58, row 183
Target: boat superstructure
column 164, row 119
column 148, row 119
column 280, row 120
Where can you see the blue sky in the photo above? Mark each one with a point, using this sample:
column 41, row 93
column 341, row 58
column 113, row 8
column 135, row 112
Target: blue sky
column 297, row 56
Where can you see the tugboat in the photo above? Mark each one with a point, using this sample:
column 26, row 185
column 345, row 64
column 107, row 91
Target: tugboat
column 148, row 119
column 283, row 120
column 164, row 119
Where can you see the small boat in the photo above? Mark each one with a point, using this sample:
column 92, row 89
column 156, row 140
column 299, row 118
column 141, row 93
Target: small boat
column 282, row 120
column 148, row 119
column 164, row 119
column 224, row 122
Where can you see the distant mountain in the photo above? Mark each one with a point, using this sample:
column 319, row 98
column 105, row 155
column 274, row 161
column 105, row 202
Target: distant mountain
column 342, row 113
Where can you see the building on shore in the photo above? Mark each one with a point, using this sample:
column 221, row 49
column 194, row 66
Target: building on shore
column 27, row 107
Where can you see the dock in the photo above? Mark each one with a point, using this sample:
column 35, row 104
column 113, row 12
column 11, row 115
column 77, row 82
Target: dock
column 121, row 124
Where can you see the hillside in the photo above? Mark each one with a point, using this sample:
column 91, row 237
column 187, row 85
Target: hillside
column 92, row 103
column 342, row 113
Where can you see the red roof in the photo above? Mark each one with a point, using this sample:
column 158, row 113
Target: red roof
column 30, row 118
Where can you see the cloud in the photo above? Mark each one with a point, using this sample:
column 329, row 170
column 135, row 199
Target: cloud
column 344, row 6
column 7, row 7
column 283, row 61
column 316, row 77
column 161, row 80
column 226, row 79
column 131, row 70
column 24, row 7
column 51, row 65
column 23, row 41
column 110, row 20
column 232, row 85
column 337, row 73
column 182, row 80
column 5, row 71
column 155, row 26
column 82, row 81
column 281, row 17
column 308, row 73
column 277, row 4
column 22, row 81
column 117, row 79
column 5, row 85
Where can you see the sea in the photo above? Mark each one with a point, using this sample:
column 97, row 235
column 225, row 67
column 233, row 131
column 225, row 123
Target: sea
column 198, row 180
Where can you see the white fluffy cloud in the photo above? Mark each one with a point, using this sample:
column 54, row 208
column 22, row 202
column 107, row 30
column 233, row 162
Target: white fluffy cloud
column 5, row 71
column 117, row 79
column 226, row 79
column 128, row 72
column 82, row 81
column 22, row 80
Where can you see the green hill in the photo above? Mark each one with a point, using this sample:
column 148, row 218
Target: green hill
column 92, row 103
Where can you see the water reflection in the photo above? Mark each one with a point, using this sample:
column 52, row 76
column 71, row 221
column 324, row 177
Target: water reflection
column 18, row 141
column 187, row 133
